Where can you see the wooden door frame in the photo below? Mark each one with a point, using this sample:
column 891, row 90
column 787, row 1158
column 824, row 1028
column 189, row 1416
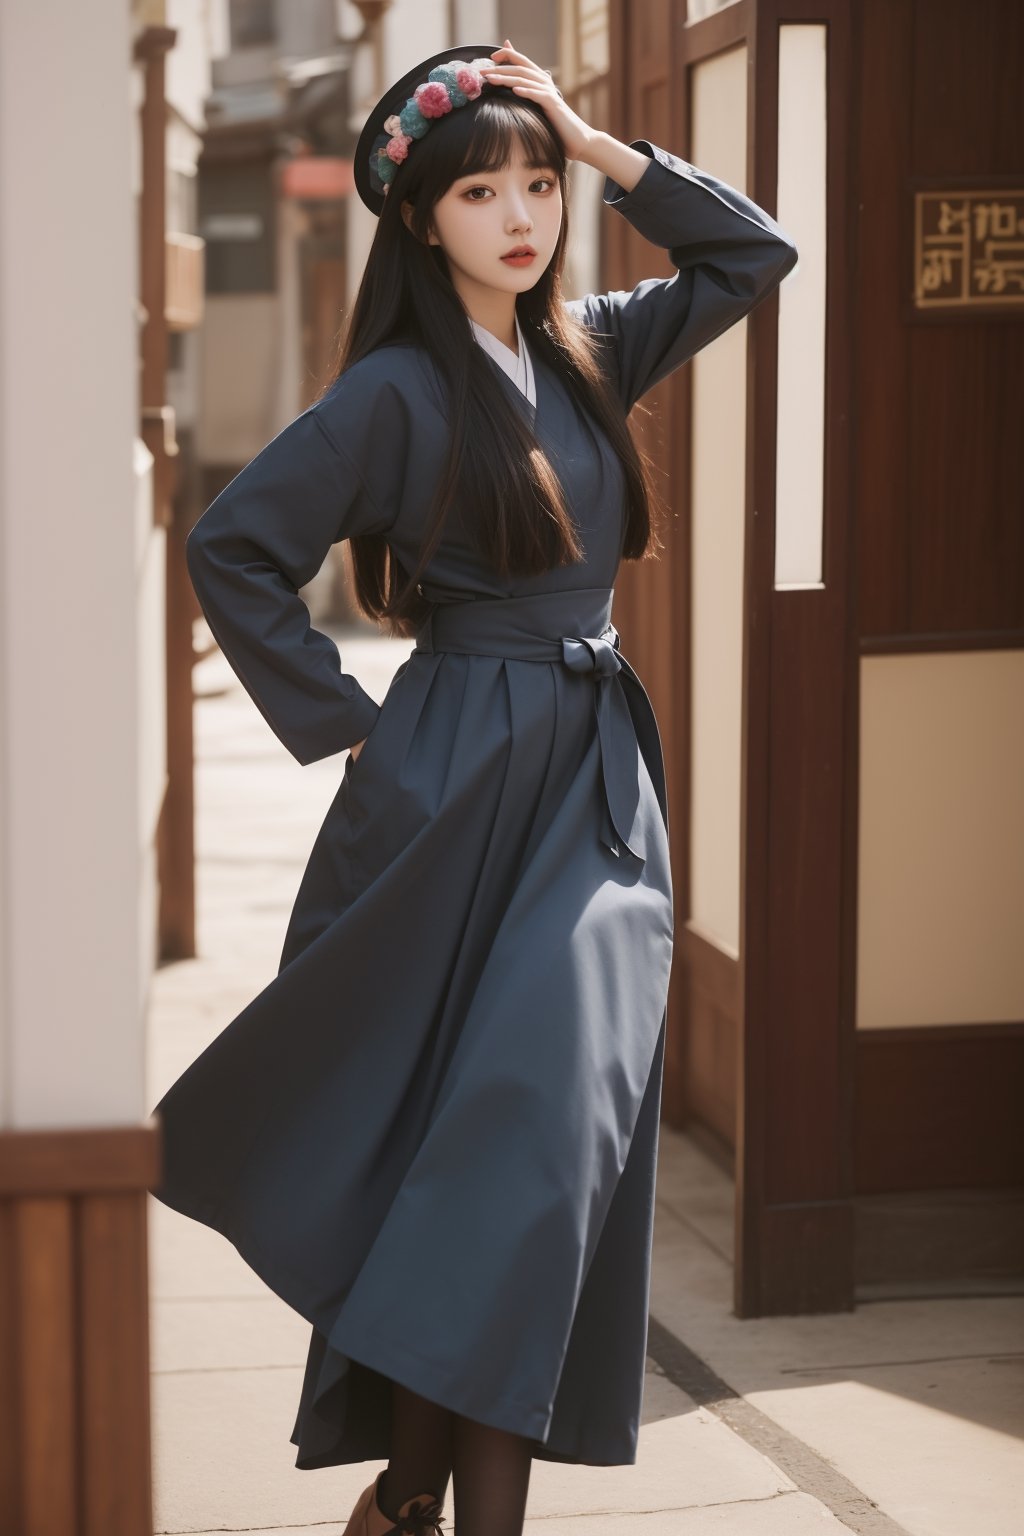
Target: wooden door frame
column 794, row 1187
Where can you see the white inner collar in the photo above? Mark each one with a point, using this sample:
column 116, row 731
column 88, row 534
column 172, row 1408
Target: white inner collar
column 518, row 366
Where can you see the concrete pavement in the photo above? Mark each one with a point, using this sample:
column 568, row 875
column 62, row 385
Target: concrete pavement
column 905, row 1415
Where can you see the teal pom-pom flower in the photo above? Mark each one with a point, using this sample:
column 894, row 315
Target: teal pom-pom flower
column 412, row 120
column 445, row 75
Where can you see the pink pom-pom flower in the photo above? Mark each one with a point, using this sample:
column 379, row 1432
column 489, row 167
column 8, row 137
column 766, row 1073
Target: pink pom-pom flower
column 432, row 99
column 397, row 147
column 469, row 81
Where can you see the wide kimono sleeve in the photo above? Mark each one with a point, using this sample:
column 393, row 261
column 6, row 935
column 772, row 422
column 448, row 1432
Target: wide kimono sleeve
column 327, row 476
column 728, row 254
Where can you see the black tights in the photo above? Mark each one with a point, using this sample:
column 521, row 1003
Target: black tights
column 429, row 1444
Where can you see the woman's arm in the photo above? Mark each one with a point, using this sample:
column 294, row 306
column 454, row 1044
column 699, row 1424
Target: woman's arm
column 265, row 536
column 729, row 255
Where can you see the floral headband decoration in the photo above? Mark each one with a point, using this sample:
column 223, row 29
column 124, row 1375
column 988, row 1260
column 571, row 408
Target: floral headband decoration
column 448, row 85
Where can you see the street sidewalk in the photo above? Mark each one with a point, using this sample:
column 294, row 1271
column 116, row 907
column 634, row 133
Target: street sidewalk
column 903, row 1416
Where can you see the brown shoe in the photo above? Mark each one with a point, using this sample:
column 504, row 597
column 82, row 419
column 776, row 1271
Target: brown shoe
column 418, row 1516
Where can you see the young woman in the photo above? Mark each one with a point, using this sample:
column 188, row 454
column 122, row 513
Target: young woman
column 434, row 1134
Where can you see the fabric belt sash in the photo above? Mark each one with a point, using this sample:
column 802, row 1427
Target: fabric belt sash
column 573, row 627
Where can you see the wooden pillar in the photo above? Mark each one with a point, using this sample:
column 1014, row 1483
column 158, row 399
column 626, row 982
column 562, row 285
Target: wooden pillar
column 794, row 1207
column 176, row 829
column 74, row 1331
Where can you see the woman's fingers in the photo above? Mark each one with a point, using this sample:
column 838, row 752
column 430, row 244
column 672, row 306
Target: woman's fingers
column 512, row 56
column 517, row 69
column 514, row 74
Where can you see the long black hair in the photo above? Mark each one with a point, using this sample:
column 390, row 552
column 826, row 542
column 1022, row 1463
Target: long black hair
column 494, row 459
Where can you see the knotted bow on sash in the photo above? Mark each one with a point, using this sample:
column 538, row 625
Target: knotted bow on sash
column 520, row 628
column 615, row 730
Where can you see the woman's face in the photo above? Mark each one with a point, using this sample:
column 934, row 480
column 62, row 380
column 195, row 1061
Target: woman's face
column 482, row 217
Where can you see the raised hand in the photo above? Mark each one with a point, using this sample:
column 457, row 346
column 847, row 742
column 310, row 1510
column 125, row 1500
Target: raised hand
column 528, row 79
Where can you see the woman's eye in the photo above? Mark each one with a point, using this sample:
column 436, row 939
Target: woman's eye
column 545, row 180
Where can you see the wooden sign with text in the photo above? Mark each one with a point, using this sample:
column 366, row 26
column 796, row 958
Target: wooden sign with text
column 969, row 249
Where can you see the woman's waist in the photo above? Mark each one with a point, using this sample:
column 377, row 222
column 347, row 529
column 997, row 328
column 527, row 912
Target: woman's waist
column 531, row 626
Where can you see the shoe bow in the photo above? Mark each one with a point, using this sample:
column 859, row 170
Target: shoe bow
column 422, row 1518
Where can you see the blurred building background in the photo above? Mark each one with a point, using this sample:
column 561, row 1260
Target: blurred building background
column 833, row 637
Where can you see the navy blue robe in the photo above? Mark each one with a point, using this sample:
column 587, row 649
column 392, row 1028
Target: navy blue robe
column 434, row 1134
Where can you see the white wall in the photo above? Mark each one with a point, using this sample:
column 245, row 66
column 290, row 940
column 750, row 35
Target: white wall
column 71, row 1036
column 802, row 202
column 718, row 487
column 940, row 901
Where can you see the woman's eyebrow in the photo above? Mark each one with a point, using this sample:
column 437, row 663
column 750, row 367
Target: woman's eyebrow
column 528, row 165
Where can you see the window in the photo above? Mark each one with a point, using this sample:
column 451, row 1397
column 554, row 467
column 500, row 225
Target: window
column 252, row 23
